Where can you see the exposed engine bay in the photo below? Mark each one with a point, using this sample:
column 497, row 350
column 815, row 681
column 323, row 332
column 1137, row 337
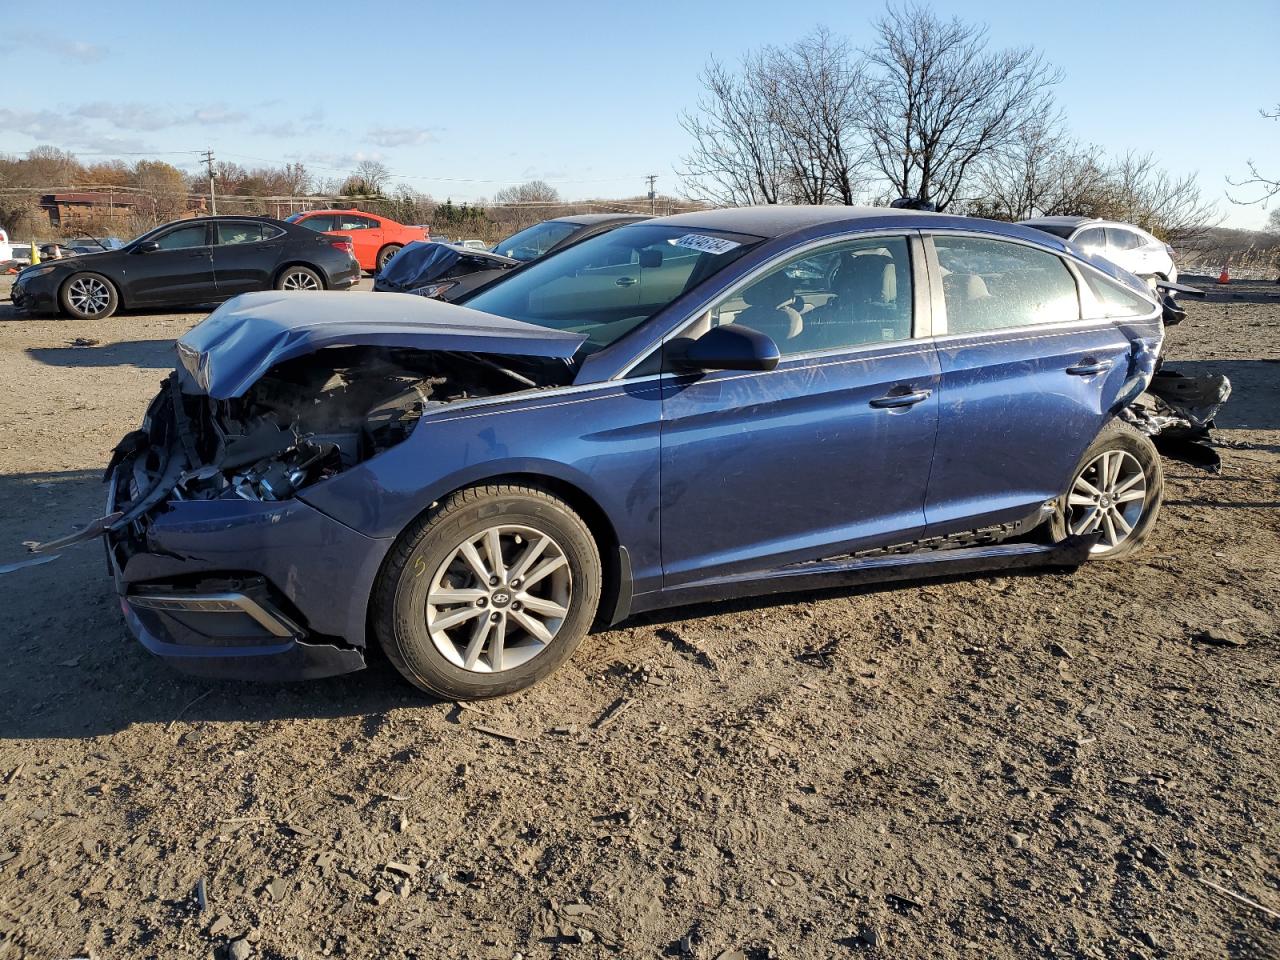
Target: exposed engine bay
column 310, row 418
column 303, row 421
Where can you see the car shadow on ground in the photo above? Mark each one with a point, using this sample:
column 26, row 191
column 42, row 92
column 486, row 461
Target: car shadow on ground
column 143, row 354
column 1254, row 387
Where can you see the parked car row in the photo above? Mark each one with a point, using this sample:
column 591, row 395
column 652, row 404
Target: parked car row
column 206, row 260
column 677, row 410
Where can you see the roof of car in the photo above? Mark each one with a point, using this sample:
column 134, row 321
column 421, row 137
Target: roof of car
column 1059, row 221
column 586, row 219
column 778, row 221
column 362, row 213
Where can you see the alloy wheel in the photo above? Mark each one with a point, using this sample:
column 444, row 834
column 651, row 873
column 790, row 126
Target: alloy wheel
column 499, row 598
column 88, row 295
column 1108, row 497
column 300, row 281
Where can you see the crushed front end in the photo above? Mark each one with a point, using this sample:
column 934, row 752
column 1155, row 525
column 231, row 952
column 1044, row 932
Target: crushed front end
column 221, row 568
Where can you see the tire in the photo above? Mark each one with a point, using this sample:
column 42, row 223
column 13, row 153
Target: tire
column 299, row 278
column 430, row 602
column 89, row 296
column 385, row 255
column 1129, row 453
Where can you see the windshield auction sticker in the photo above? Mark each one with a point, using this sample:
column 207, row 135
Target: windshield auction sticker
column 700, row 241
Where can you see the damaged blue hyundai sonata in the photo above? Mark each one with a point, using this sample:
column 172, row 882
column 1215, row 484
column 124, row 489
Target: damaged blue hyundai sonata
column 703, row 406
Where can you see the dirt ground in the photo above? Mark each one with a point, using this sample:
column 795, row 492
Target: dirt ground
column 1058, row 765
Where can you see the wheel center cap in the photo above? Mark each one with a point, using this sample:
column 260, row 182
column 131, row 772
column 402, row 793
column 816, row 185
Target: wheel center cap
column 1105, row 500
column 500, row 597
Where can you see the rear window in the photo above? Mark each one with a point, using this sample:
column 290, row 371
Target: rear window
column 319, row 223
column 1115, row 300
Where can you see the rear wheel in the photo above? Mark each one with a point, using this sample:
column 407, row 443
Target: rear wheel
column 488, row 593
column 89, row 296
column 386, row 253
column 299, row 278
column 1115, row 493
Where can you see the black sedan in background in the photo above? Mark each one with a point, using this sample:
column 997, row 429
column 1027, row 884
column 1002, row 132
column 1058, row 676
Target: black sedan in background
column 188, row 262
column 448, row 272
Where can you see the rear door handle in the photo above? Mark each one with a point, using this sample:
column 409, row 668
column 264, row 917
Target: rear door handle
column 908, row 399
column 1088, row 367
column 626, row 281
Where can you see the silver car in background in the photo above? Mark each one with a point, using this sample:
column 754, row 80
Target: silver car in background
column 1123, row 244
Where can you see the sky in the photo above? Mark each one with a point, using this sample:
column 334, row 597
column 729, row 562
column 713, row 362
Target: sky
column 462, row 99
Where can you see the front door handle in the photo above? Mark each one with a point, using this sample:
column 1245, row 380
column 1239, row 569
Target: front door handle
column 1089, row 367
column 626, row 281
column 906, row 399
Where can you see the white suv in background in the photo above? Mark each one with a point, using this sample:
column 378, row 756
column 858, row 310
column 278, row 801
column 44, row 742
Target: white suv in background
column 1123, row 244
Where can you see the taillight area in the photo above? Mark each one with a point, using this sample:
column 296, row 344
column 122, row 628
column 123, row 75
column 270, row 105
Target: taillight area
column 346, row 245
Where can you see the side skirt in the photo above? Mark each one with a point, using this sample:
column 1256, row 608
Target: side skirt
column 825, row 574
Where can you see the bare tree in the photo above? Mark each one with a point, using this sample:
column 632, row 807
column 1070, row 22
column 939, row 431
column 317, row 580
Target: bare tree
column 812, row 91
column 1267, row 185
column 784, row 129
column 534, row 191
column 737, row 157
column 1041, row 172
column 938, row 101
column 367, row 180
column 1173, row 208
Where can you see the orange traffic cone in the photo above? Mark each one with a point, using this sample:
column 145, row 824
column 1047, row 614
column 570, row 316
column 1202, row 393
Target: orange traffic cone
column 1224, row 277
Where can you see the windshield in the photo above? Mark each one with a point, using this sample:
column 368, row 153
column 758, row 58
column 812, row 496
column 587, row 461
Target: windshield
column 535, row 241
column 608, row 285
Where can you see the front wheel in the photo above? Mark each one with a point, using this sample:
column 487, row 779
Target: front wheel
column 1115, row 493
column 386, row 253
column 299, row 278
column 89, row 296
column 488, row 593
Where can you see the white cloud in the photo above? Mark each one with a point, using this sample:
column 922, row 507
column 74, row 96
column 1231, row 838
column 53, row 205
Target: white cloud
column 61, row 47
column 400, row 136
column 148, row 117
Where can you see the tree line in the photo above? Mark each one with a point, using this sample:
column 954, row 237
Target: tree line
column 928, row 111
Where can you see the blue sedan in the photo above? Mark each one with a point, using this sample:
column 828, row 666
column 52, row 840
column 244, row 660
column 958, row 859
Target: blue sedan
column 685, row 409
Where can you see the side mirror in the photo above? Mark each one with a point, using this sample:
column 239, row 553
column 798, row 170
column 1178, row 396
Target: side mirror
column 147, row 246
column 731, row 347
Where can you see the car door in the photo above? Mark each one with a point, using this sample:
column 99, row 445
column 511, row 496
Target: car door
column 180, row 271
column 826, row 454
column 1026, row 382
column 1126, row 248
column 366, row 236
column 245, row 254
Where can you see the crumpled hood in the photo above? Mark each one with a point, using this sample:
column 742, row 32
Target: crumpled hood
column 420, row 263
column 226, row 353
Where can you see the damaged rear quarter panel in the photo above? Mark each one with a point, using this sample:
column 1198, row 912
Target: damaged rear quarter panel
column 601, row 439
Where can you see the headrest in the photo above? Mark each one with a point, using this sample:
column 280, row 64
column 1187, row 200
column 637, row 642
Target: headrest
column 771, row 291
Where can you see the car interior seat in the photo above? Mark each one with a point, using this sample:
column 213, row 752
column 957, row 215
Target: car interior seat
column 770, row 310
column 864, row 307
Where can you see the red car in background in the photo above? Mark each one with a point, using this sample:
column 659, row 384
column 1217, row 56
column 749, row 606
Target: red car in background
column 376, row 239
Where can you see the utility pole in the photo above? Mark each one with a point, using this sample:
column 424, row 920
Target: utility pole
column 213, row 200
column 653, row 197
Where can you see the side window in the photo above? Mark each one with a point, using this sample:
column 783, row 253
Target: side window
column 183, row 237
column 1118, row 239
column 1093, row 238
column 239, row 232
column 270, row 231
column 1115, row 300
column 351, row 222
column 319, row 223
column 993, row 284
column 844, row 295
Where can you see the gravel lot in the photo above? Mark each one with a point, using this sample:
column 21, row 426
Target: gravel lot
column 1056, row 765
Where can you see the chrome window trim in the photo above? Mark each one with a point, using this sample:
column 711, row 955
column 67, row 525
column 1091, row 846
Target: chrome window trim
column 906, row 233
